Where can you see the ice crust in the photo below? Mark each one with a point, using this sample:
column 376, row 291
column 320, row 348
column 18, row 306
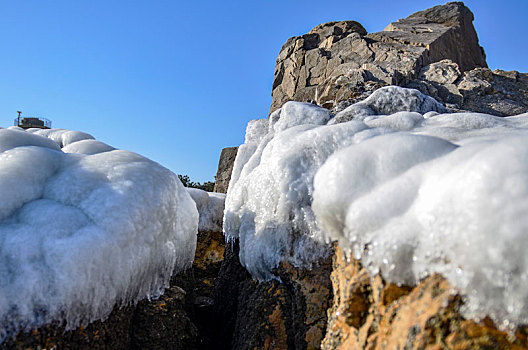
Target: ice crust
column 210, row 206
column 407, row 194
column 85, row 231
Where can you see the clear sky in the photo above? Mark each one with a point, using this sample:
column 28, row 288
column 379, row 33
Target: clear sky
column 177, row 81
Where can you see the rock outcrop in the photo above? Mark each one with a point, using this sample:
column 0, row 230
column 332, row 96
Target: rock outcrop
column 435, row 51
column 481, row 90
column 335, row 61
column 225, row 167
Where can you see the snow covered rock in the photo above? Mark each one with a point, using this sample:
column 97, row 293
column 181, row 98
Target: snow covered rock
column 409, row 196
column 83, row 232
column 389, row 100
column 210, row 206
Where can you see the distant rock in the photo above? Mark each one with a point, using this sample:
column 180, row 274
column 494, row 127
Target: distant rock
column 225, row 167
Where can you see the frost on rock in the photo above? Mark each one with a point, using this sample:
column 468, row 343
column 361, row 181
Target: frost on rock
column 210, row 207
column 81, row 232
column 449, row 196
column 269, row 196
column 406, row 191
column 389, row 100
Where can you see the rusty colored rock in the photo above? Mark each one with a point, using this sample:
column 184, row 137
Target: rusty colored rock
column 426, row 316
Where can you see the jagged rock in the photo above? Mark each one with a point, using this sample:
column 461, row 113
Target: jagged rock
column 227, row 290
column 494, row 92
column 334, row 61
column 225, row 167
column 443, row 72
column 478, row 90
column 369, row 313
column 290, row 314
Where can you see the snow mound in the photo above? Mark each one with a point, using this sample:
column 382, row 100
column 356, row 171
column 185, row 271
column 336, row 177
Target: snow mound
column 407, row 194
column 409, row 205
column 81, row 233
column 62, row 137
column 210, row 207
column 88, row 147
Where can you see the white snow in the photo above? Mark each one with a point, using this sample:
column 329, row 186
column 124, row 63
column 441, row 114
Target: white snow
column 408, row 195
column 83, row 232
column 210, row 207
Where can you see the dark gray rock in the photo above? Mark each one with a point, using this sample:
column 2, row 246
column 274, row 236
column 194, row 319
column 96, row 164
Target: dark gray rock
column 225, row 168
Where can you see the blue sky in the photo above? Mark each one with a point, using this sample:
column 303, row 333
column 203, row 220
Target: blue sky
column 177, row 81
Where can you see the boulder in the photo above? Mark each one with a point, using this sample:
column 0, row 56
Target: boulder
column 335, row 61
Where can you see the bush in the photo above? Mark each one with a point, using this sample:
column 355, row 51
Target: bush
column 206, row 186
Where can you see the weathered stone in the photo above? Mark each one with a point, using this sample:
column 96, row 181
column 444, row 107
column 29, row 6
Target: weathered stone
column 443, row 72
column 494, row 92
column 231, row 277
column 208, row 259
column 369, row 313
column 287, row 315
column 225, row 168
column 163, row 323
column 271, row 315
column 334, row 59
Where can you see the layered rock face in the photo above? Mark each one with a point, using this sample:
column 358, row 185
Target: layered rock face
column 338, row 63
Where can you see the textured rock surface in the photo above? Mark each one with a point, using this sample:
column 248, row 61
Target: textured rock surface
column 275, row 315
column 338, row 61
column 369, row 313
column 206, row 267
column 495, row 92
column 158, row 324
column 227, row 290
column 225, row 167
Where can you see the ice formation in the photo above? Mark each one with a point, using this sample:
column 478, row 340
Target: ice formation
column 410, row 193
column 85, row 231
column 210, row 207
